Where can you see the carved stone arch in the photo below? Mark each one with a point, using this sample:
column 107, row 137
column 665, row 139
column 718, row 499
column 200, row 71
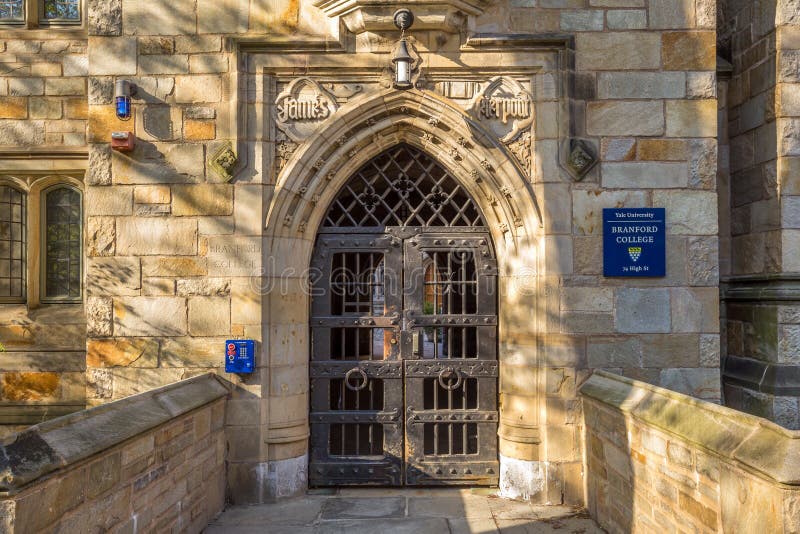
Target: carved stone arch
column 371, row 124
column 318, row 169
column 17, row 183
column 40, row 183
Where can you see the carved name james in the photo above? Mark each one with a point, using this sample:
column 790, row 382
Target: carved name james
column 301, row 107
column 292, row 109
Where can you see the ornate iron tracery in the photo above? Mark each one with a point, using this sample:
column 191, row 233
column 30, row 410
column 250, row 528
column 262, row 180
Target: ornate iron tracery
column 403, row 186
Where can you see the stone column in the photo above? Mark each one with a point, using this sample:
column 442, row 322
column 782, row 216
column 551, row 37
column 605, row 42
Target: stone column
column 762, row 293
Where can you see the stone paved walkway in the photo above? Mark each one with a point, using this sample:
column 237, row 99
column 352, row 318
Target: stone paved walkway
column 417, row 511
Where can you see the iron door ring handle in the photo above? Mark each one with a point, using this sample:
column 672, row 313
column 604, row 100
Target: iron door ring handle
column 364, row 377
column 449, row 372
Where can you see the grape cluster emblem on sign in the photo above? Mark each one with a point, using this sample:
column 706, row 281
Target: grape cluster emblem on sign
column 635, row 253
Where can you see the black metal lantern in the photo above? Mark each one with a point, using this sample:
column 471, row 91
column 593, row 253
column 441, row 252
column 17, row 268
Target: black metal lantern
column 402, row 60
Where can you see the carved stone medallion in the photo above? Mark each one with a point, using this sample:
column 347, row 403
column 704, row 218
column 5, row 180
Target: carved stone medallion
column 504, row 106
column 223, row 161
column 301, row 107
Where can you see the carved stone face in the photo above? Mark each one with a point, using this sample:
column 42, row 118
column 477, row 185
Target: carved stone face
column 579, row 160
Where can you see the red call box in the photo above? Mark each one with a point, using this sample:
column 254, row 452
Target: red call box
column 123, row 141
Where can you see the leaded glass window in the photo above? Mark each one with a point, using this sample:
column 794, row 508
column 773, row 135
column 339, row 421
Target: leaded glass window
column 12, row 11
column 62, row 244
column 61, row 11
column 12, row 245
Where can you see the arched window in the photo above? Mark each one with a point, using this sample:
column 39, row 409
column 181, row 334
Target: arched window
column 12, row 244
column 61, row 277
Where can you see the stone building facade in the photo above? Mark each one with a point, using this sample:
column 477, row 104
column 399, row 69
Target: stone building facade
column 206, row 230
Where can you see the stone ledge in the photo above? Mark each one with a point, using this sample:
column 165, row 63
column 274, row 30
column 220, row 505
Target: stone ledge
column 761, row 288
column 753, row 442
column 764, row 377
column 60, row 442
column 30, row 414
column 378, row 15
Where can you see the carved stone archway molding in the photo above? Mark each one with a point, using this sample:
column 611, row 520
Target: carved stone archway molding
column 316, row 170
column 370, row 124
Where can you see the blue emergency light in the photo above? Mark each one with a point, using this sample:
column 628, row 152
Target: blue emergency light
column 123, row 90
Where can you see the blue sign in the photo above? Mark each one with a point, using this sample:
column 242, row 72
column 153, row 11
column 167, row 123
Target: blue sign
column 634, row 242
column 240, row 356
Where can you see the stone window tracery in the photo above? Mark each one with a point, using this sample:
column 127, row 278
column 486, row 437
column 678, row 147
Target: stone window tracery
column 13, row 205
column 41, row 239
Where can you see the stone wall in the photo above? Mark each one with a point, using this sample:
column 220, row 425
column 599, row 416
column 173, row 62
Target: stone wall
column 180, row 253
column 152, row 462
column 657, row 460
column 645, row 99
column 43, row 117
column 755, row 195
column 42, row 370
column 762, row 364
column 43, row 88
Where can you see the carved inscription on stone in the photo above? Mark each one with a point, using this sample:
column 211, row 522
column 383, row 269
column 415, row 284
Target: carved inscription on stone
column 504, row 106
column 234, row 256
column 293, row 109
column 301, row 107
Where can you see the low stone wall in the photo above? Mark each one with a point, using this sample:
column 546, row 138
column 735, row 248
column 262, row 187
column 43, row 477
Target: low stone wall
column 153, row 462
column 660, row 461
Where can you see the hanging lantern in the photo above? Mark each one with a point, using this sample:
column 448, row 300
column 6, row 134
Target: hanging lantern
column 402, row 60
column 403, row 63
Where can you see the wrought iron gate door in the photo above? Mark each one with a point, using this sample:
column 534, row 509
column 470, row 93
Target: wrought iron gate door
column 404, row 358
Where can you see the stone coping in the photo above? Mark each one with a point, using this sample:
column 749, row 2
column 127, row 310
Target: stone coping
column 60, row 442
column 765, row 288
column 766, row 377
column 755, row 443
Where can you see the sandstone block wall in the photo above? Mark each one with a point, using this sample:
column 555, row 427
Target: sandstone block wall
column 749, row 34
column 645, row 98
column 43, row 108
column 43, row 90
column 656, row 460
column 161, row 294
column 43, row 367
column 159, row 466
column 176, row 258
column 761, row 291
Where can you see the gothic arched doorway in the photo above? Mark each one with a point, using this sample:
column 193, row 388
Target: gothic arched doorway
column 403, row 331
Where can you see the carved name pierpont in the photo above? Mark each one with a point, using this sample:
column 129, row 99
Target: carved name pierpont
column 504, row 106
column 301, row 106
column 518, row 107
